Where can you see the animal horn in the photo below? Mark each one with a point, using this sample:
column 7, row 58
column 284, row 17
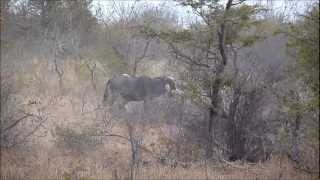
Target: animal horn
column 171, row 83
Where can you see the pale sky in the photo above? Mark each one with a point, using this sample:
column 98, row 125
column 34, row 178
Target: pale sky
column 291, row 7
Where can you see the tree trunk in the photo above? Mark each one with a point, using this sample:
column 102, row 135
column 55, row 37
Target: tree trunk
column 213, row 112
column 296, row 138
column 234, row 136
column 135, row 67
column 215, row 87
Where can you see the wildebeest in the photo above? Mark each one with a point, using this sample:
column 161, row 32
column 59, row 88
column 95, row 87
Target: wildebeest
column 125, row 88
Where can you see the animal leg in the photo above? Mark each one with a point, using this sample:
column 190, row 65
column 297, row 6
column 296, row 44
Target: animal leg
column 121, row 103
column 146, row 109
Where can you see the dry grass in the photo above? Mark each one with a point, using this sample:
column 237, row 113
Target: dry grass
column 52, row 164
column 45, row 161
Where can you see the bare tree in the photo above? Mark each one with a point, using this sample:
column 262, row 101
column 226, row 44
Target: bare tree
column 129, row 42
column 17, row 124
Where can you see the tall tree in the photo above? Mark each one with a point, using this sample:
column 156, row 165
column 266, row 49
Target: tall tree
column 304, row 37
column 205, row 49
column 303, row 102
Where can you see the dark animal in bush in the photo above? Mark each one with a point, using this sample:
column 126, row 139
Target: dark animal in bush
column 125, row 88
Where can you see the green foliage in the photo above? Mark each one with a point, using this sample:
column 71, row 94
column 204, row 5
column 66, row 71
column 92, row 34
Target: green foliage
column 304, row 40
column 239, row 21
column 245, row 14
column 243, row 25
column 201, row 4
column 304, row 37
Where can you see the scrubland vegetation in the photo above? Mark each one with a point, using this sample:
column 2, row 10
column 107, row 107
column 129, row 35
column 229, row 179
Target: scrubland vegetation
column 248, row 76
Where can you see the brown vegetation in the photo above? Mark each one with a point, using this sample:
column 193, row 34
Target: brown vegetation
column 242, row 111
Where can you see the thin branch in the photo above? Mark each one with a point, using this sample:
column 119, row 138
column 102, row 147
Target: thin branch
column 237, row 3
column 117, row 135
column 187, row 58
column 144, row 51
column 16, row 122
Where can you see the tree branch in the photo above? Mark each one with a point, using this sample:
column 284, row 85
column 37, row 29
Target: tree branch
column 187, row 58
column 16, row 122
